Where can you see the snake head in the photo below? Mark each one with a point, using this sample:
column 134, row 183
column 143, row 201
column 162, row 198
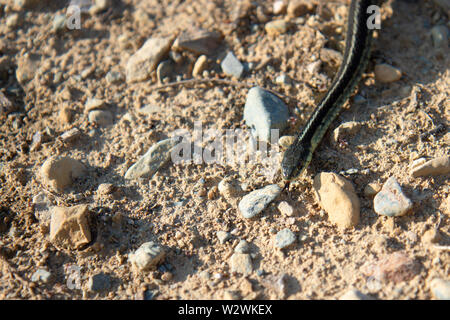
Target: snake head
column 295, row 160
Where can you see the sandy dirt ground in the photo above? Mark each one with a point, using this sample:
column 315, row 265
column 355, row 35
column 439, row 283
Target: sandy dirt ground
column 180, row 207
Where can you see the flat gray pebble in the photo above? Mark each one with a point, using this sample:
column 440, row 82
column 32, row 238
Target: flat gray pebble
column 99, row 282
column 152, row 160
column 264, row 111
column 256, row 201
column 223, row 236
column 148, row 256
column 284, row 238
column 232, row 66
column 41, row 275
column 391, row 201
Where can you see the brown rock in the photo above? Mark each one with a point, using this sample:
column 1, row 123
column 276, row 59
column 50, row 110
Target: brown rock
column 338, row 198
column 146, row 59
column 65, row 115
column 69, row 227
column 385, row 73
column 59, row 172
column 395, row 267
column 198, row 41
column 27, row 67
column 199, row 66
column 431, row 236
column 297, row 8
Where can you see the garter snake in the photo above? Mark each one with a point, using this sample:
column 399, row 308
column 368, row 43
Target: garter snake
column 357, row 49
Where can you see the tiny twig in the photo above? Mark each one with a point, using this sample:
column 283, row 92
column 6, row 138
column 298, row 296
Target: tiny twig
column 218, row 81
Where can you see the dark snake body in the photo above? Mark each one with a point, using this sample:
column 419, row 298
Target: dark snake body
column 357, row 50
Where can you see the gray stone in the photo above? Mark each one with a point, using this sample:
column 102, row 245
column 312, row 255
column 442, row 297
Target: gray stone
column 59, row 22
column 101, row 117
column 223, row 236
column 354, row 294
column 256, row 201
column 391, row 201
column 284, row 238
column 99, row 282
column 440, row 288
column 41, row 275
column 164, row 70
column 264, row 111
column 242, row 247
column 440, row 36
column 114, row 77
column 42, row 208
column 198, row 41
column 231, row 66
column 241, row 263
column 148, row 256
column 151, row 161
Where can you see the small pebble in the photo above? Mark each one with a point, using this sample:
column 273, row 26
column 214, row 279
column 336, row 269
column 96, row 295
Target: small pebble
column 147, row 256
column 94, row 103
column 283, row 79
column 101, row 117
column 142, row 63
column 354, row 294
column 338, row 198
column 256, row 201
column 114, row 77
column 71, row 135
column 241, row 263
column 229, row 188
column 12, row 20
column 42, row 208
column 59, row 22
column 199, row 66
column 440, row 288
column 264, row 112
column 242, row 247
column 285, row 209
column 297, row 8
column 391, row 201
column 198, row 41
column 41, row 275
column 431, row 236
column 99, row 282
column 231, row 66
column 284, row 238
column 436, row 167
column 60, row 172
column 223, row 236
column 345, row 130
column 279, row 7
column 164, row 70
column 276, row 27
column 69, row 227
column 286, row 141
column 372, row 189
column 152, row 160
column 440, row 35
column 385, row 73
